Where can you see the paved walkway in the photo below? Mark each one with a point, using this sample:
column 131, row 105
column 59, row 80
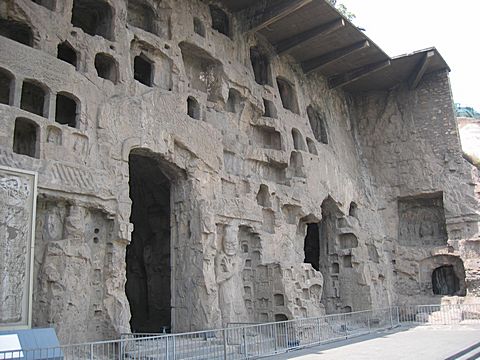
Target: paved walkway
column 421, row 342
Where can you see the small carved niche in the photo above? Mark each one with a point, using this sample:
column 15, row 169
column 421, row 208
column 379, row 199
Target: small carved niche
column 66, row 109
column 33, row 98
column 198, row 27
column 422, row 220
column 220, row 20
column 17, row 31
column 94, row 17
column 143, row 70
column 298, row 142
column 312, row 149
column 25, row 137
column 193, row 108
column 67, row 53
column 318, row 125
column 234, row 101
column 270, row 110
column 204, row 72
column 261, row 66
column 107, row 67
column 6, row 85
column 288, row 95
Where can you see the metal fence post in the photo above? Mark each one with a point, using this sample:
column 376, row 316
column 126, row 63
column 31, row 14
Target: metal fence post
column 245, row 342
column 345, row 321
column 173, row 348
column 368, row 322
column 224, row 343
column 91, row 351
column 319, row 331
column 275, row 334
column 167, row 355
column 391, row 318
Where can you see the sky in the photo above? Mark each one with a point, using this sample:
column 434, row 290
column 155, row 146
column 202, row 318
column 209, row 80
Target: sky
column 453, row 27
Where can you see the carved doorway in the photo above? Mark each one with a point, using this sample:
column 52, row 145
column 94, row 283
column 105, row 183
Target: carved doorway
column 148, row 259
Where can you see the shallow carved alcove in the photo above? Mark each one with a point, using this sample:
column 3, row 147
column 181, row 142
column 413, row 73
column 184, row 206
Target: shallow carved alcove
column 220, row 20
column 6, row 84
column 193, row 108
column 288, row 95
column 204, row 72
column 270, row 110
column 263, row 196
column 94, row 17
column 422, row 220
column 233, row 101
column 261, row 66
column 33, row 98
column 318, row 125
column 445, row 281
column 198, row 27
column 67, row 53
column 298, row 142
column 347, row 241
column 266, row 137
column 443, row 275
column 25, row 137
column 143, row 70
column 17, row 31
column 107, row 67
column 66, row 109
column 312, row 149
column 140, row 14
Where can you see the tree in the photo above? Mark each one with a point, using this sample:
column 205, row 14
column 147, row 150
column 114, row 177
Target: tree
column 342, row 9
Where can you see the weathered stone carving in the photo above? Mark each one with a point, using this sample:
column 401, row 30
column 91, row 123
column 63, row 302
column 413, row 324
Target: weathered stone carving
column 17, row 199
column 422, row 221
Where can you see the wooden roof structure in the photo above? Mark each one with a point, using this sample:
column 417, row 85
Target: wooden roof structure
column 322, row 40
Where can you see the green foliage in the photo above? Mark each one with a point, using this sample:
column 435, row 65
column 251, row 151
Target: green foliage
column 342, row 9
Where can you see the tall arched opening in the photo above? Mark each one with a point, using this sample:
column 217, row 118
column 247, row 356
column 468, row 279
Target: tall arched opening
column 148, row 256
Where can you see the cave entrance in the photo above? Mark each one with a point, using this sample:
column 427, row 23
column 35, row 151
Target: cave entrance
column 445, row 281
column 148, row 286
column 312, row 246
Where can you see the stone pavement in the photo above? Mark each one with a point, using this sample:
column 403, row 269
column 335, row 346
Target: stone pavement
column 421, row 342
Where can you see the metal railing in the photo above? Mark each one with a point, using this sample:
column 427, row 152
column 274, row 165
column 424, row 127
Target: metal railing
column 440, row 314
column 246, row 341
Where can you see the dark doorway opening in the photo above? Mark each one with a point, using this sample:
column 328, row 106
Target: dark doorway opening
column 66, row 110
column 33, row 98
column 148, row 286
column 220, row 20
column 94, row 17
column 25, row 137
column 444, row 281
column 67, row 53
column 311, row 246
column 17, row 31
column 143, row 70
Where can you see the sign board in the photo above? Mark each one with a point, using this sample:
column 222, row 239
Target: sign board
column 18, row 194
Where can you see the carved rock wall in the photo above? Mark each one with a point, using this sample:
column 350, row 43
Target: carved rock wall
column 252, row 156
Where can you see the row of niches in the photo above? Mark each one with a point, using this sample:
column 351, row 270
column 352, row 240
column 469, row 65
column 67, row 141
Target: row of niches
column 32, row 139
column 35, row 98
column 95, row 17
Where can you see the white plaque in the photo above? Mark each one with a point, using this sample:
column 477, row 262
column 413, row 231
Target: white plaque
column 18, row 193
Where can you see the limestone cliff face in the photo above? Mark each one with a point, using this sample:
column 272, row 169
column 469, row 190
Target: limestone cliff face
column 188, row 179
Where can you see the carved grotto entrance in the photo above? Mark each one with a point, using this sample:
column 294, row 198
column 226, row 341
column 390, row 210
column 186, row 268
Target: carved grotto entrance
column 148, row 286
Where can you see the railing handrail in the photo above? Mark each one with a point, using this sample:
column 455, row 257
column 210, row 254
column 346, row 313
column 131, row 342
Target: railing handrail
column 284, row 334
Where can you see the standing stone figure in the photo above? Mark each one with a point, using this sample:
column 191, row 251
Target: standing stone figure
column 228, row 270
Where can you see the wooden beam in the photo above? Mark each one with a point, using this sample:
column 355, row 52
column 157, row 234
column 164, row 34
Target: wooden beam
column 420, row 69
column 356, row 74
column 277, row 12
column 286, row 45
column 331, row 57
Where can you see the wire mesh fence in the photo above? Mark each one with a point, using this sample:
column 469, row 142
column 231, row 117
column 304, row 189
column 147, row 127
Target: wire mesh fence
column 246, row 341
